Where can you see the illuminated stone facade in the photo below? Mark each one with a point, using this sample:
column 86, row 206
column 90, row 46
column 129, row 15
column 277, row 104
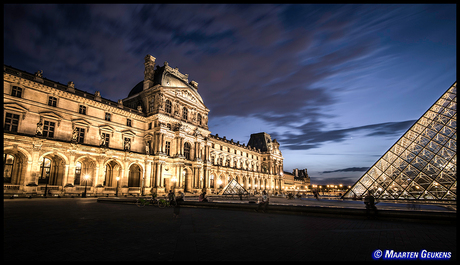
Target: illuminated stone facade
column 64, row 140
column 297, row 181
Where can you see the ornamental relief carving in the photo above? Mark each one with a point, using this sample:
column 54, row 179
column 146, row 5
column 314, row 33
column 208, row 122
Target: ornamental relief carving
column 160, row 101
column 185, row 94
column 177, row 109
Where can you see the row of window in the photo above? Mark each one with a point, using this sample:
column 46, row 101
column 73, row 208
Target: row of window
column 52, row 101
column 107, row 117
column 228, row 150
column 168, row 109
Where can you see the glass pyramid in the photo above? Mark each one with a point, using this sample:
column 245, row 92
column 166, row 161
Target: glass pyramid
column 422, row 164
column 234, row 188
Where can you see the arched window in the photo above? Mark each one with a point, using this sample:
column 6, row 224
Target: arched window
column 134, row 178
column 187, row 148
column 77, row 173
column 45, row 170
column 168, row 106
column 184, row 113
column 8, row 162
column 108, row 175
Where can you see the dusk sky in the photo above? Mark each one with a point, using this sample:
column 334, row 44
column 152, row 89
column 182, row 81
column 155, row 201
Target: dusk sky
column 336, row 85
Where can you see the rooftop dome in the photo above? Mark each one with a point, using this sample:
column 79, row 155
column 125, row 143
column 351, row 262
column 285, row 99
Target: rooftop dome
column 136, row 89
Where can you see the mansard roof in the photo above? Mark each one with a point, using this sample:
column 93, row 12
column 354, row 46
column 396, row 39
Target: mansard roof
column 260, row 141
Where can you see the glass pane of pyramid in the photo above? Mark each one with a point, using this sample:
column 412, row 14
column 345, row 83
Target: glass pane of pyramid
column 234, row 188
column 422, row 164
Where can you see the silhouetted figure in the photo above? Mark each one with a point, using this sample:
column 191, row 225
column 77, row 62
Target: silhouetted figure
column 369, row 201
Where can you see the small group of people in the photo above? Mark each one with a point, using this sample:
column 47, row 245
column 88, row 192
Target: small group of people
column 263, row 203
column 178, row 200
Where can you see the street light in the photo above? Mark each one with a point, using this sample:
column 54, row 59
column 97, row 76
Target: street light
column 116, row 194
column 86, row 183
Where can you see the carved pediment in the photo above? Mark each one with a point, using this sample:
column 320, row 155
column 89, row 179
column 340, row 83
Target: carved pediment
column 81, row 122
column 106, row 128
column 148, row 137
column 14, row 106
column 50, row 115
column 128, row 134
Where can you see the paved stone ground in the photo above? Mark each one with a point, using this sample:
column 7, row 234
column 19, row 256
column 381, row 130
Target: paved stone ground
column 80, row 229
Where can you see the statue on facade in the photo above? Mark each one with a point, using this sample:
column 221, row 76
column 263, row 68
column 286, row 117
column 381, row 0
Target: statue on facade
column 160, row 99
column 127, row 144
column 75, row 135
column 102, row 137
column 39, row 130
column 147, row 149
column 39, row 73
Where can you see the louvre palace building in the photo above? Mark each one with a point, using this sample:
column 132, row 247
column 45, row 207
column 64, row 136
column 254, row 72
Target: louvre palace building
column 60, row 140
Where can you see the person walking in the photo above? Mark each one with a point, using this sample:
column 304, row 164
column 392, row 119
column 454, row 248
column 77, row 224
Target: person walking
column 171, row 197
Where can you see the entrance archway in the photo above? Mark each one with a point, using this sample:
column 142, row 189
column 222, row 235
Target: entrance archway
column 134, row 177
column 51, row 170
column 112, row 171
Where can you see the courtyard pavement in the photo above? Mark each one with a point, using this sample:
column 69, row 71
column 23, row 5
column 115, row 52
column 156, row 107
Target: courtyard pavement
column 81, row 229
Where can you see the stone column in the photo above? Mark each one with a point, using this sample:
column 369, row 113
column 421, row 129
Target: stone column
column 147, row 174
column 71, row 176
column 188, row 181
column 157, row 175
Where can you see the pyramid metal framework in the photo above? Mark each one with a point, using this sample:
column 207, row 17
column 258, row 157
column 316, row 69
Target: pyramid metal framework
column 422, row 164
column 234, row 188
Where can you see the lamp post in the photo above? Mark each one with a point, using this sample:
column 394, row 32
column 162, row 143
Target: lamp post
column 116, row 194
column 86, row 184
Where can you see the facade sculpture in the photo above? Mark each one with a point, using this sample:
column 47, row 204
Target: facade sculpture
column 163, row 144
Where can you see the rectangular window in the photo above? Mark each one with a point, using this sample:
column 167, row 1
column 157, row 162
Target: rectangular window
column 80, row 135
column 52, row 101
column 167, row 147
column 150, row 125
column 48, row 129
column 108, row 116
column 11, row 122
column 82, row 110
column 105, row 139
column 128, row 122
column 16, row 92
